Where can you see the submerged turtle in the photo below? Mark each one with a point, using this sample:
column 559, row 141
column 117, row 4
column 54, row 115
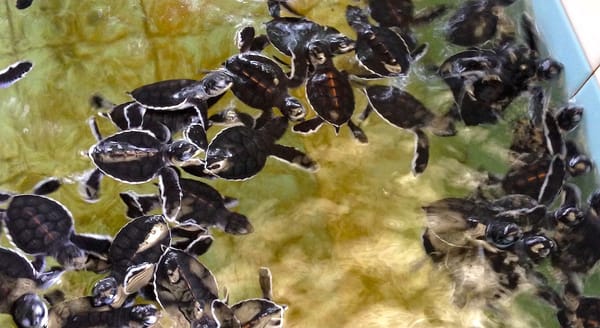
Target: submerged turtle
column 137, row 156
column 399, row 108
column 185, row 288
column 19, row 281
column 476, row 21
column 14, row 72
column 162, row 123
column 134, row 251
column 80, row 313
column 201, row 203
column 381, row 50
column 330, row 95
column 401, row 13
column 261, row 83
column 254, row 312
column 240, row 152
column 292, row 35
column 41, row 226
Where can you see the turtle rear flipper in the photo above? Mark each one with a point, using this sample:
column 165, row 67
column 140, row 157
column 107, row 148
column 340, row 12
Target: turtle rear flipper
column 170, row 192
column 421, row 156
column 293, row 156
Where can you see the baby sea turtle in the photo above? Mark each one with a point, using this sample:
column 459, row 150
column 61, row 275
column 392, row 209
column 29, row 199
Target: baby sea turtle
column 291, row 35
column 330, row 95
column 184, row 287
column 381, row 50
column 401, row 13
column 476, row 21
column 14, row 72
column 240, row 152
column 399, row 108
column 137, row 156
column 200, row 203
column 259, row 82
column 182, row 93
column 254, row 312
column 162, row 123
column 134, row 251
column 19, row 281
column 41, row 226
column 79, row 313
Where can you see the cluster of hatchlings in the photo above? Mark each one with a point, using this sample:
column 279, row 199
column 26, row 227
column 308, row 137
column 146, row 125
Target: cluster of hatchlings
column 505, row 229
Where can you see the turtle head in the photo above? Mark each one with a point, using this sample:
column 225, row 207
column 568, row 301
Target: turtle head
column 502, row 234
column 181, row 151
column 594, row 203
column 146, row 314
column 538, row 247
column 318, row 53
column 549, row 69
column 569, row 216
column 105, row 291
column 216, row 83
column 293, row 109
column 30, row 311
column 237, row 224
column 71, row 257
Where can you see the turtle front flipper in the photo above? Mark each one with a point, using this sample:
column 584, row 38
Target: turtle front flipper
column 293, row 156
column 89, row 185
column 224, row 315
column 14, row 73
column 553, row 181
column 170, row 192
column 47, row 186
column 144, row 315
column 357, row 132
column 259, row 313
column 138, row 205
column 191, row 238
column 137, row 277
column 421, row 156
column 92, row 243
column 196, row 134
column 308, row 126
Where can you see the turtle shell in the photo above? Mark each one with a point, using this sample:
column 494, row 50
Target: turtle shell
column 473, row 23
column 330, row 94
column 163, row 95
column 182, row 283
column 141, row 240
column 38, row 224
column 258, row 81
column 392, row 12
column 383, row 52
column 398, row 107
column 238, row 152
column 132, row 156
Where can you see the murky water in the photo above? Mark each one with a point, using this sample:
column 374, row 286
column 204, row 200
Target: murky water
column 343, row 244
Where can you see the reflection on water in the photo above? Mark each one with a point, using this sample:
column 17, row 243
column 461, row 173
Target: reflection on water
column 343, row 244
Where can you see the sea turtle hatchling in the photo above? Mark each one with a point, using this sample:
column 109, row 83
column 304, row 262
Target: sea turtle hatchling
column 291, row 35
column 252, row 313
column 381, row 50
column 399, row 108
column 19, row 281
column 41, row 226
column 185, row 288
column 132, row 255
column 137, row 156
column 80, row 313
column 201, row 203
column 477, row 21
column 330, row 95
column 240, row 152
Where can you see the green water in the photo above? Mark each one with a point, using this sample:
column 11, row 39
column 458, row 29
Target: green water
column 343, row 244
